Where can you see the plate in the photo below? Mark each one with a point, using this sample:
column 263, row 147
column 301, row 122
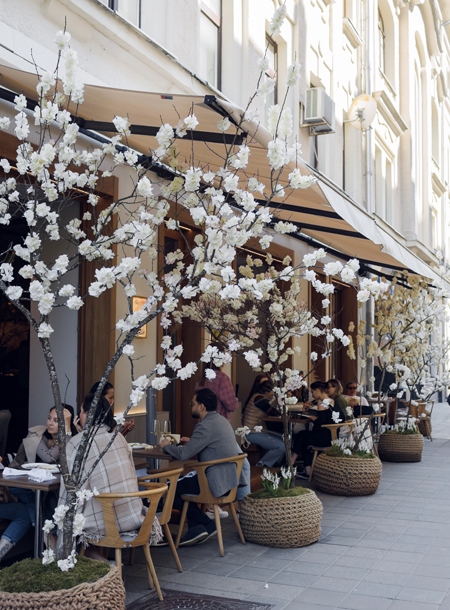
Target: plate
column 137, row 445
column 41, row 466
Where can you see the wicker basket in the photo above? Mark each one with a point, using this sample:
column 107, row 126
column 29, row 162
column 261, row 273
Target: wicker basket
column 347, row 476
column 400, row 447
column 282, row 522
column 107, row 593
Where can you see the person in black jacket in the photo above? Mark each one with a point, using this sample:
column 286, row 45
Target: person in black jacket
column 327, row 413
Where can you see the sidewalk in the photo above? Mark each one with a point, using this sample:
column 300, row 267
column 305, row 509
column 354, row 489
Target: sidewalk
column 389, row 551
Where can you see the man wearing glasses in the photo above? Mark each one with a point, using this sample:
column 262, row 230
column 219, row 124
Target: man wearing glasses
column 359, row 404
column 213, row 438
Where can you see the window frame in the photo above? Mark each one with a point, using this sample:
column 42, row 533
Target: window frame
column 217, row 21
column 381, row 43
column 273, row 73
column 114, row 6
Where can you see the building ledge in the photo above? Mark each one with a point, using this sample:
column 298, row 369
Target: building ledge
column 349, row 29
column 390, row 114
column 422, row 251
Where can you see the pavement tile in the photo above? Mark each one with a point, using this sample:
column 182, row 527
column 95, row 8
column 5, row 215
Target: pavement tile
column 387, row 578
column 377, row 590
column 370, row 543
column 294, row 579
column 434, row 571
column 238, row 585
column 269, row 562
column 364, row 602
column 324, row 558
column 297, row 605
column 399, row 604
column 275, row 605
column 395, row 566
column 334, row 584
column 196, row 579
column 393, row 555
column 306, row 568
column 428, row 582
column 426, row 596
column 257, row 574
column 217, row 568
column 321, row 597
column 349, row 561
column 363, row 552
column 325, row 548
column 341, row 571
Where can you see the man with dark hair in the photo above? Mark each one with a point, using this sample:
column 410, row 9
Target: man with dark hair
column 213, row 439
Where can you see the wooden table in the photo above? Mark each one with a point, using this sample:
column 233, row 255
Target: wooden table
column 25, row 483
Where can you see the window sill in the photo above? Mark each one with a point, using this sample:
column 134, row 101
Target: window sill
column 388, row 83
column 349, row 29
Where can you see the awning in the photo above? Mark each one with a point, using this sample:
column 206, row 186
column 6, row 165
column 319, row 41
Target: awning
column 323, row 211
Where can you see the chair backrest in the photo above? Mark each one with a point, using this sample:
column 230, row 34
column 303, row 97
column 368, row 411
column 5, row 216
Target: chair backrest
column 170, row 476
column 112, row 538
column 205, row 496
column 335, row 427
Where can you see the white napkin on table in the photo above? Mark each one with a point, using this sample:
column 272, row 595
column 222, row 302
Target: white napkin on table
column 40, row 476
column 13, row 472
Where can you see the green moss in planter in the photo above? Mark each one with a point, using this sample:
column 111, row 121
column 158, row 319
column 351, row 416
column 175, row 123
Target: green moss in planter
column 336, row 451
column 30, row 576
column 263, row 494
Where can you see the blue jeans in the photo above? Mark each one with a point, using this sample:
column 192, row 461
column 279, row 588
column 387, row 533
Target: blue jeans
column 21, row 514
column 272, row 442
column 243, row 491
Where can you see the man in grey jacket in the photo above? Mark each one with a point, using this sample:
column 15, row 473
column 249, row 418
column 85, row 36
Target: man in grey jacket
column 213, row 439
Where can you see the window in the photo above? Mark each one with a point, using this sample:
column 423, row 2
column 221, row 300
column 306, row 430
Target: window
column 210, row 41
column 381, row 44
column 272, row 56
column 129, row 9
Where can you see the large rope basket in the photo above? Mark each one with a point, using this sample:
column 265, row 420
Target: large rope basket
column 107, row 593
column 400, row 447
column 282, row 522
column 347, row 476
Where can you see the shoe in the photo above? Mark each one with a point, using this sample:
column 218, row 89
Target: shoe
column 222, row 514
column 302, row 475
column 194, row 535
column 211, row 530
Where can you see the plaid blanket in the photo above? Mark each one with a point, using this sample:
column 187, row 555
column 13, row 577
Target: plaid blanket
column 115, row 473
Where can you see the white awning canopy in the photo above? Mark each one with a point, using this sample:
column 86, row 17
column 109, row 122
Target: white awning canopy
column 323, row 212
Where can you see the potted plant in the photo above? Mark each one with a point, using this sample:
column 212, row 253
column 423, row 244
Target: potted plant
column 401, row 443
column 280, row 515
column 348, row 468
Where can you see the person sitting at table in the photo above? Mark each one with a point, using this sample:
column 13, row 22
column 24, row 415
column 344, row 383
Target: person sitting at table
column 359, row 404
column 226, row 403
column 109, row 394
column 41, row 445
column 334, row 391
column 269, row 437
column 115, row 473
column 324, row 413
column 213, row 438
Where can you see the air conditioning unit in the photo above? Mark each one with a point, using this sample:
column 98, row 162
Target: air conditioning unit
column 318, row 111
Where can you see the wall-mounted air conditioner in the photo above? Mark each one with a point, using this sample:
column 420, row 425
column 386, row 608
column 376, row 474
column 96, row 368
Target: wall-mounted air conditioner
column 318, row 112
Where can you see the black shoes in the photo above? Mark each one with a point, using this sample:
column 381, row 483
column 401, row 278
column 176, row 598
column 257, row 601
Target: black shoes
column 198, row 534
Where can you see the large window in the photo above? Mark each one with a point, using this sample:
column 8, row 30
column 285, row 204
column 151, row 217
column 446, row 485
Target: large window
column 210, row 41
column 129, row 9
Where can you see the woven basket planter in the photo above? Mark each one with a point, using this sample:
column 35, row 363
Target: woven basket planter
column 347, row 476
column 400, row 447
column 282, row 522
column 107, row 593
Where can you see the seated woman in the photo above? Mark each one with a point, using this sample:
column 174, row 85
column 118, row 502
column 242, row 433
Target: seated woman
column 327, row 413
column 270, row 438
column 40, row 445
column 115, row 473
column 109, row 394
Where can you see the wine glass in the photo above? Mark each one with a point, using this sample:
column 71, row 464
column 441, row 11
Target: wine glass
column 166, row 427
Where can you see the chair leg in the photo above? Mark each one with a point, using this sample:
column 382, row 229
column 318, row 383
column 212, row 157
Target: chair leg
column 151, row 567
column 312, row 465
column 172, row 546
column 219, row 529
column 182, row 520
column 236, row 520
column 119, row 560
column 131, row 559
column 82, row 551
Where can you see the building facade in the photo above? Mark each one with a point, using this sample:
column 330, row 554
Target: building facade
column 397, row 170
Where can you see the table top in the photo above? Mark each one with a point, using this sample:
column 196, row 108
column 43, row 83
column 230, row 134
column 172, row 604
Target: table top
column 26, row 483
column 291, row 419
column 156, row 454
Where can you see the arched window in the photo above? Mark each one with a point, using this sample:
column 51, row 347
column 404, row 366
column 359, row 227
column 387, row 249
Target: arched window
column 381, row 44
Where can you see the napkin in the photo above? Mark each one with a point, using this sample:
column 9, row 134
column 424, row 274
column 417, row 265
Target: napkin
column 13, row 472
column 40, row 476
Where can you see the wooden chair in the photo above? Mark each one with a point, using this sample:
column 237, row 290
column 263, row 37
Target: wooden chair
column 424, row 418
column 334, row 430
column 206, row 497
column 113, row 539
column 170, row 476
column 375, row 431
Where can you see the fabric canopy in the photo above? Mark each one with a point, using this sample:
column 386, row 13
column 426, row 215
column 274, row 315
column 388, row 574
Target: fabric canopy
column 323, row 211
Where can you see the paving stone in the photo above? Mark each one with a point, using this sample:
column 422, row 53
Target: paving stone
column 387, row 578
column 218, row 568
column 297, row 605
column 349, row 561
column 294, row 579
column 364, row 602
column 340, row 571
column 426, row 596
column 321, row 597
column 326, row 559
column 428, row 582
column 377, row 590
column 258, row 574
column 399, row 604
column 334, row 584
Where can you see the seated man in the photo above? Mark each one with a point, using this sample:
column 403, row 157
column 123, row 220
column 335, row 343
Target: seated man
column 359, row 404
column 213, row 439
